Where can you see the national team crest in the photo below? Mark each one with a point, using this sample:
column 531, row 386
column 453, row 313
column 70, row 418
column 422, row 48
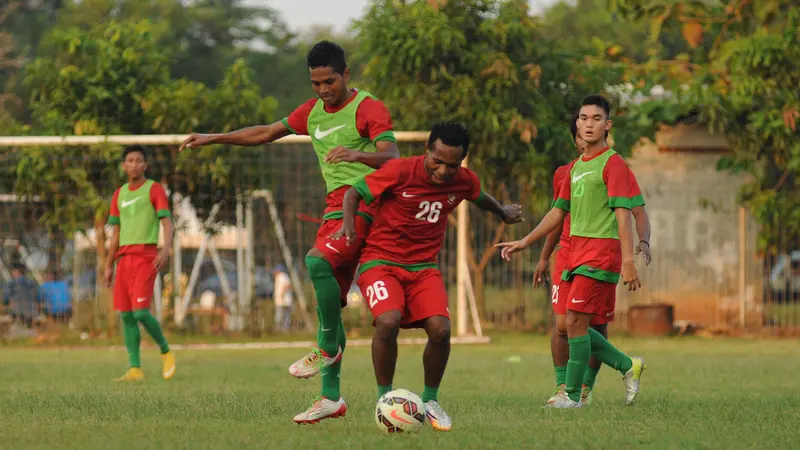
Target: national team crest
column 451, row 199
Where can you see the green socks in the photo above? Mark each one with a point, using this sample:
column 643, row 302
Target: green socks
column 130, row 331
column 150, row 324
column 580, row 350
column 607, row 353
column 561, row 375
column 430, row 393
column 329, row 303
column 331, row 374
column 590, row 376
column 383, row 390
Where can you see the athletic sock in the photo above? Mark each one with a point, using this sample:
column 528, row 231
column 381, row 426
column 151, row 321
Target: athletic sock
column 590, row 376
column 580, row 350
column 430, row 393
column 384, row 389
column 561, row 375
column 331, row 381
column 329, row 303
column 130, row 331
column 609, row 355
column 153, row 328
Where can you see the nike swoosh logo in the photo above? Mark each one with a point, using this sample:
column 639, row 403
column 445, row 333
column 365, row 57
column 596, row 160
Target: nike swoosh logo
column 328, row 244
column 609, row 314
column 576, row 178
column 141, row 299
column 327, row 329
column 577, row 301
column 319, row 134
column 125, row 204
column 396, row 417
column 408, row 195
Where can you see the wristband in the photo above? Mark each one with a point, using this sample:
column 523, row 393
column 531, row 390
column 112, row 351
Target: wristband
column 642, row 240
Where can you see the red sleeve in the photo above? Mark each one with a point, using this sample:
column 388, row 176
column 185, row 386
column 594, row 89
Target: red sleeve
column 617, row 177
column 297, row 121
column 558, row 178
column 637, row 199
column 374, row 121
column 113, row 215
column 158, row 197
column 564, row 194
column 393, row 173
column 475, row 185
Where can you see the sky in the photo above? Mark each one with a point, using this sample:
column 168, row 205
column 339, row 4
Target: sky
column 300, row 14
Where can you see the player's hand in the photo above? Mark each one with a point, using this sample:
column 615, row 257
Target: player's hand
column 513, row 214
column 540, row 273
column 630, row 276
column 342, row 154
column 644, row 247
column 509, row 248
column 161, row 259
column 195, row 140
column 107, row 276
column 348, row 231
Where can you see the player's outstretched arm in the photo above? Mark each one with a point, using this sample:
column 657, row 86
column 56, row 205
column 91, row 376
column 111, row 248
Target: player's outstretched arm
column 108, row 273
column 643, row 231
column 352, row 198
column 163, row 254
column 550, row 222
column 629, row 274
column 506, row 213
column 256, row 135
column 547, row 250
column 387, row 150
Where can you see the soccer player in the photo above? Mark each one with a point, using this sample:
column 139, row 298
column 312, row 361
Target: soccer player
column 558, row 343
column 138, row 209
column 598, row 198
column 398, row 273
column 351, row 132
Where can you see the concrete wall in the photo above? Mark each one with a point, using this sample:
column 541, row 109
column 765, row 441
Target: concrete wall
column 696, row 228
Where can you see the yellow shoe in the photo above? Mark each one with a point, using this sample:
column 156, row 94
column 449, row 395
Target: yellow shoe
column 168, row 365
column 133, row 374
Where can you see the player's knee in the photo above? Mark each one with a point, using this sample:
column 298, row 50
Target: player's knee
column 438, row 329
column 561, row 324
column 577, row 323
column 317, row 266
column 127, row 317
column 388, row 323
column 140, row 314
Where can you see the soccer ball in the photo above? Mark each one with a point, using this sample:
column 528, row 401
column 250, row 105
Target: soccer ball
column 400, row 410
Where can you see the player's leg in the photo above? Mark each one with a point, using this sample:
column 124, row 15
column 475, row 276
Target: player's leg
column 130, row 328
column 559, row 345
column 590, row 377
column 426, row 304
column 143, row 278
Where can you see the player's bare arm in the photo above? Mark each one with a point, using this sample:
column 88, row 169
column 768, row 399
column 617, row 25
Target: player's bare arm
column 352, row 198
column 643, row 231
column 506, row 213
column 257, row 135
column 550, row 222
column 387, row 150
column 625, row 228
column 549, row 245
column 163, row 254
column 108, row 273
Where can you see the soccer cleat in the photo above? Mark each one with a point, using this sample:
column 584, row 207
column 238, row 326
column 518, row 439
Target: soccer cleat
column 563, row 402
column 632, row 379
column 438, row 418
column 311, row 364
column 320, row 409
column 167, row 365
column 133, row 374
column 586, row 395
column 561, row 389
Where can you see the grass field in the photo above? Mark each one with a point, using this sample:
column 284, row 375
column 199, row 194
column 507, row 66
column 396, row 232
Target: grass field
column 696, row 394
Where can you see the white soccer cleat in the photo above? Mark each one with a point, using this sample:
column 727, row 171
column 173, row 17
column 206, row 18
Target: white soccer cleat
column 632, row 379
column 563, row 402
column 561, row 389
column 321, row 409
column 312, row 363
column 437, row 416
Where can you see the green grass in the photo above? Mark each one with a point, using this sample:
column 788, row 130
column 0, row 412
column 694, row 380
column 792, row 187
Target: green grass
column 696, row 394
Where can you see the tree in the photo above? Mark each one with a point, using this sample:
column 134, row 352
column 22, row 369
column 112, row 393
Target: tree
column 744, row 88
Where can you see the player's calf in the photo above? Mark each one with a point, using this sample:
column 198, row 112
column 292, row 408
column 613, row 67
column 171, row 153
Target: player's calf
column 384, row 347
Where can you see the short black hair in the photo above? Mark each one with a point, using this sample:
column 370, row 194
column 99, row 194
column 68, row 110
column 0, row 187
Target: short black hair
column 327, row 54
column 134, row 148
column 573, row 126
column 453, row 134
column 599, row 101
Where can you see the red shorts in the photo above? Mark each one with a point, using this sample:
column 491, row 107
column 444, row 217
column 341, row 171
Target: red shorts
column 562, row 258
column 587, row 295
column 134, row 280
column 417, row 295
column 343, row 258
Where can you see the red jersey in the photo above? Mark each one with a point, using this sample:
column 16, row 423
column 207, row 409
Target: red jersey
column 411, row 221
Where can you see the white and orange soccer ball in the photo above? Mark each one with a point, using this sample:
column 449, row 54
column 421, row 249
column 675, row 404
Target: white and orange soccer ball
column 400, row 410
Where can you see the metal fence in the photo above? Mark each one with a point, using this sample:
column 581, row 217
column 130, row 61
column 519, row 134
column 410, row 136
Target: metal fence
column 227, row 237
